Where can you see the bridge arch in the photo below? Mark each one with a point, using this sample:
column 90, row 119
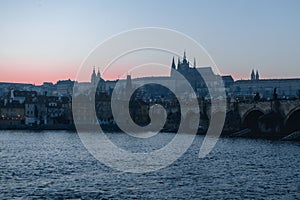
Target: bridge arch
column 251, row 118
column 271, row 122
column 292, row 120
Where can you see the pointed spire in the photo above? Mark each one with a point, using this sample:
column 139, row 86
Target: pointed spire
column 98, row 74
column 252, row 75
column 94, row 71
column 93, row 77
column 184, row 61
column 195, row 63
column 257, row 75
column 173, row 64
column 178, row 64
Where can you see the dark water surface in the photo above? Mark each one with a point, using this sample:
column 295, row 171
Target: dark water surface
column 37, row 165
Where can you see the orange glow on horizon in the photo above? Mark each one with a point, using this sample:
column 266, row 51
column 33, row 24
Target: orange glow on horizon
column 28, row 71
column 36, row 73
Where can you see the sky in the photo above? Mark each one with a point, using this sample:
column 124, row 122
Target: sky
column 47, row 40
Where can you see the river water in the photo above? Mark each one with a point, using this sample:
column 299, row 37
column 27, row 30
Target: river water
column 56, row 165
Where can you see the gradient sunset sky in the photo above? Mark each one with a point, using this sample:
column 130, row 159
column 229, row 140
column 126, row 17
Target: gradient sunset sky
column 46, row 40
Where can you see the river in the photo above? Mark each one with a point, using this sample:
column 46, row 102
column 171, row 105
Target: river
column 56, row 165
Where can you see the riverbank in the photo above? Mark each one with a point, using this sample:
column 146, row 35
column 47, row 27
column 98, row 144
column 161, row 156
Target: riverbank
column 245, row 133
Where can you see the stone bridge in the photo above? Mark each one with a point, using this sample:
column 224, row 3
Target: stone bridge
column 266, row 116
column 280, row 116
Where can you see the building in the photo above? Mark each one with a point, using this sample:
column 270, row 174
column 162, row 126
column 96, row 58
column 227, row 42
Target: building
column 285, row 88
column 58, row 110
column 65, row 87
column 12, row 113
column 30, row 105
column 48, row 89
column 6, row 87
column 202, row 79
column 97, row 81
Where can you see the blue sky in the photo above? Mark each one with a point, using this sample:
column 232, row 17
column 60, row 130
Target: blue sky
column 51, row 38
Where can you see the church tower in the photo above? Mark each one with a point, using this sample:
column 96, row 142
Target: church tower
column 98, row 74
column 94, row 78
column 184, row 61
column 173, row 67
column 173, row 64
column 185, row 65
column 128, row 83
column 97, row 81
column 257, row 75
column 252, row 75
column 128, row 87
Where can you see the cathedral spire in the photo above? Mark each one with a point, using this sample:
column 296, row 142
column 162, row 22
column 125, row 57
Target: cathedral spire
column 252, row 75
column 173, row 67
column 94, row 76
column 173, row 64
column 184, row 61
column 184, row 55
column 257, row 75
column 99, row 74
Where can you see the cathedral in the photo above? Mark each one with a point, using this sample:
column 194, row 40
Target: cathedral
column 254, row 76
column 193, row 74
column 200, row 78
column 97, row 81
column 184, row 66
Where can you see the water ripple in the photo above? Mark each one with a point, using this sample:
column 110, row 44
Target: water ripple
column 55, row 165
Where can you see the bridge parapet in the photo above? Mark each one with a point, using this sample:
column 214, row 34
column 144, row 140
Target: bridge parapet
column 244, row 108
column 288, row 106
column 285, row 106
